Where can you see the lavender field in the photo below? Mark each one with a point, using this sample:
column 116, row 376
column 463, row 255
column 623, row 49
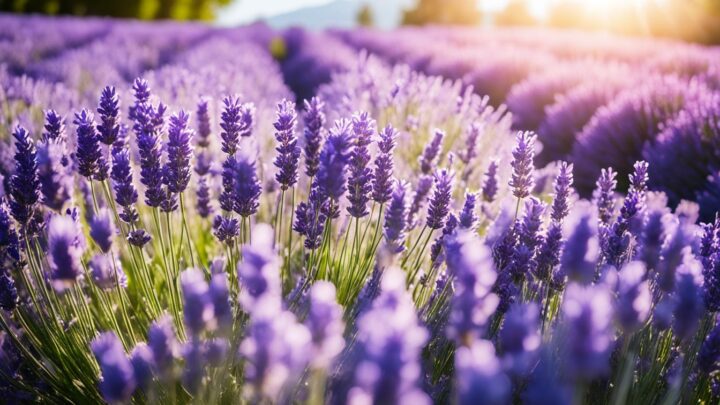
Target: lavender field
column 201, row 215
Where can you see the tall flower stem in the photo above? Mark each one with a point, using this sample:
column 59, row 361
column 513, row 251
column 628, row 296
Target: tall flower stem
column 412, row 250
column 187, row 231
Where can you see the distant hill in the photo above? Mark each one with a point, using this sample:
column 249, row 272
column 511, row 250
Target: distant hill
column 341, row 14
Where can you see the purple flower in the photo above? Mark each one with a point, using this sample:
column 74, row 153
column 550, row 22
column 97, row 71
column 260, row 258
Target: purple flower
column 382, row 177
column 523, row 178
column 709, row 354
column 563, row 189
column 578, row 258
column 24, row 183
column 143, row 362
column 422, row 189
column 471, row 263
column 490, row 183
column 389, row 369
column 361, row 176
column 193, row 353
column 108, row 109
column 117, row 378
column 220, row 297
column 125, row 193
column 439, row 205
column 163, row 344
column 605, row 195
column 204, row 207
column 334, row 157
column 468, row 217
column 106, row 274
column 54, row 126
column 236, row 120
column 179, row 151
column 314, row 120
column 288, row 150
column 587, row 312
column 259, row 271
column 247, row 187
column 310, row 220
column 430, row 154
column 225, row 229
column 548, row 255
column 151, row 173
column 275, row 349
column 88, row 152
column 227, row 195
column 198, row 311
column 138, row 238
column 688, row 305
column 520, row 330
column 102, row 229
column 8, row 292
column 396, row 218
column 64, row 252
column 480, row 378
column 324, row 321
column 634, row 300
column 470, row 152
column 56, row 180
column 203, row 124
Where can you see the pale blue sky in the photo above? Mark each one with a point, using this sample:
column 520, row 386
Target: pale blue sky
column 244, row 11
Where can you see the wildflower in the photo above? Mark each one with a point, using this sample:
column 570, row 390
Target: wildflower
column 24, row 183
column 108, row 109
column 102, row 229
column 522, row 176
column 439, row 205
column 117, row 378
column 361, row 176
column 382, row 176
column 430, row 154
column 288, row 150
column 314, row 120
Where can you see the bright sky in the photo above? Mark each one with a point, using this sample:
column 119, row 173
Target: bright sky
column 243, row 11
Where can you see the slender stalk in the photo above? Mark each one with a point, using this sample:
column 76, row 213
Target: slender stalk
column 187, row 231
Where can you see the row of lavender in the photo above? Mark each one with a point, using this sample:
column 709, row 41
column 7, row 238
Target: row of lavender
column 595, row 100
column 137, row 264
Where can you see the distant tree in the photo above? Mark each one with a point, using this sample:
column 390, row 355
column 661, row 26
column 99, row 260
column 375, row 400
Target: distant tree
column 144, row 9
column 461, row 12
column 515, row 13
column 365, row 17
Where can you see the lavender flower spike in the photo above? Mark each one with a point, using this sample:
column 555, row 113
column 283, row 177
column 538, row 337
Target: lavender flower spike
column 382, row 177
column 54, row 127
column 325, row 324
column 56, row 180
column 179, row 151
column 439, row 206
column 236, row 121
column 203, row 124
column 163, row 344
column 102, row 229
column 314, row 133
column 490, row 183
column 480, row 378
column 288, row 150
column 431, row 152
column 125, row 193
column 396, row 218
column 588, row 313
column 64, row 252
column 117, row 377
column 563, row 189
column 468, row 217
column 605, row 195
column 198, row 310
column 523, row 179
column 88, row 152
column 389, row 370
column 204, row 206
column 334, row 157
column 108, row 109
column 634, row 300
column 360, row 180
column 247, row 187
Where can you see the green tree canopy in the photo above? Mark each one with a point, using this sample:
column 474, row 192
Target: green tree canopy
column 144, row 9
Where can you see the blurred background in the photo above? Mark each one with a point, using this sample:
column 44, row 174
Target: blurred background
column 690, row 20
